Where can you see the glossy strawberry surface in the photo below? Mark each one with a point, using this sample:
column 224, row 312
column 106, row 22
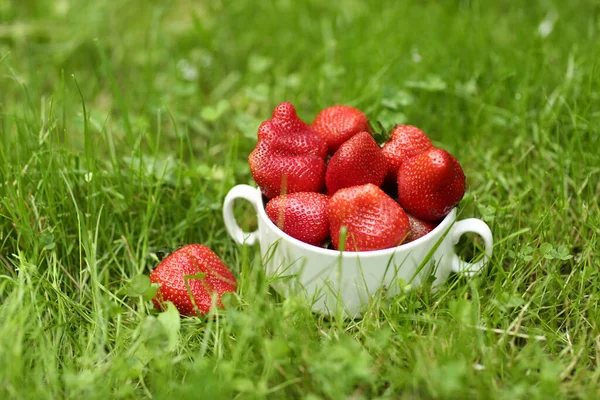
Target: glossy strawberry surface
column 284, row 120
column 430, row 184
column 371, row 218
column 301, row 215
column 339, row 123
column 357, row 162
column 419, row 228
column 206, row 274
column 405, row 141
column 289, row 157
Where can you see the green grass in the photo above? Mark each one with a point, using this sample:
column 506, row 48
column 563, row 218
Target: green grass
column 124, row 123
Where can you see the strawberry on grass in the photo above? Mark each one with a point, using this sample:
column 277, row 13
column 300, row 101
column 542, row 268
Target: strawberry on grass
column 197, row 268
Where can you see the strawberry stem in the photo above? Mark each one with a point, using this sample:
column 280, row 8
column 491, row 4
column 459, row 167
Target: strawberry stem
column 379, row 133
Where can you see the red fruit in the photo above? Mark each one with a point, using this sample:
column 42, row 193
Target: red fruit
column 288, row 157
column 373, row 219
column 284, row 120
column 357, row 162
column 418, row 228
column 301, row 215
column 405, row 141
column 337, row 124
column 191, row 260
column 430, row 184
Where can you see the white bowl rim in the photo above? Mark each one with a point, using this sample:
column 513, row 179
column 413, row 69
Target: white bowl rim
column 442, row 226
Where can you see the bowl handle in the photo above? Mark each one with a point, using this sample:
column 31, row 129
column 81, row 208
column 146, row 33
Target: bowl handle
column 245, row 192
column 479, row 227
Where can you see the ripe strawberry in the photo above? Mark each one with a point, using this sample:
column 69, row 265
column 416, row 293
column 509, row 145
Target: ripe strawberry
column 192, row 260
column 373, row 219
column 284, row 120
column 418, row 228
column 337, row 124
column 405, row 141
column 430, row 184
column 289, row 157
column 301, row 215
column 357, row 162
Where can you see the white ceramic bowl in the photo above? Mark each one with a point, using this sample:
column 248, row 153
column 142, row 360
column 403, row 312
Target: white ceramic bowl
column 334, row 281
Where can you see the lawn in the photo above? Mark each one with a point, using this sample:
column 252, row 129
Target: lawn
column 123, row 124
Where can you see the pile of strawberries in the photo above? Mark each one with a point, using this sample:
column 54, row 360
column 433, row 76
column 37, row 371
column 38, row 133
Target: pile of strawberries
column 331, row 180
column 327, row 180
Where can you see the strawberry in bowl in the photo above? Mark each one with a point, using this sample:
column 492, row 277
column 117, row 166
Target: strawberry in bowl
column 329, row 228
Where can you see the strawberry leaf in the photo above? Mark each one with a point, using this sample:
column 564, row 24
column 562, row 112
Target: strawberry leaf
column 380, row 133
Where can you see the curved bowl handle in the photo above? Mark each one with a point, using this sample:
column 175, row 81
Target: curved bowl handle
column 245, row 192
column 479, row 227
